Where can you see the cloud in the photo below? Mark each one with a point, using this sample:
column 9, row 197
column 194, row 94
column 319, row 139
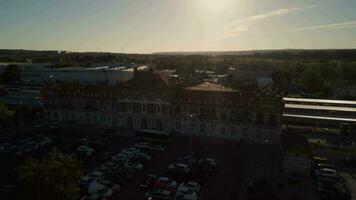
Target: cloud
column 343, row 25
column 236, row 27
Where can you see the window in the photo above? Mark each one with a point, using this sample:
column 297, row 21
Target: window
column 178, row 125
column 192, row 126
column 212, row 129
column 223, row 131
column 233, row 131
column 144, row 107
column 259, row 133
column 202, row 127
column 177, row 109
column 244, row 133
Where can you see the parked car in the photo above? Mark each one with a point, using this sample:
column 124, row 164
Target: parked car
column 157, row 148
column 322, row 165
column 179, row 167
column 149, row 181
column 350, row 161
column 142, row 145
column 191, row 185
column 134, row 165
column 106, row 156
column 113, row 186
column 98, row 191
column 159, row 194
column 325, row 172
column 325, row 185
column 97, row 175
column 166, row 183
column 130, row 151
column 85, row 150
column 185, row 193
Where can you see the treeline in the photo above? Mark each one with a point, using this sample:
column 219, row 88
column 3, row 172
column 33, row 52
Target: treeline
column 321, row 55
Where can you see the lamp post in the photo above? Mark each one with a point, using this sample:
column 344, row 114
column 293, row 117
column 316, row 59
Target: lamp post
column 20, row 117
column 191, row 116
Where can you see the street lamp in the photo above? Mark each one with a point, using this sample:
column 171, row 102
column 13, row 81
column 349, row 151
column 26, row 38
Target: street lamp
column 20, row 116
column 191, row 116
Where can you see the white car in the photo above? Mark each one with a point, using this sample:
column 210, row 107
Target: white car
column 192, row 185
column 97, row 191
column 121, row 157
column 97, row 175
column 144, row 156
column 113, row 186
column 185, row 193
column 130, row 151
column 210, row 161
column 134, row 165
column 165, row 182
column 179, row 166
column 86, row 150
column 142, row 145
column 325, row 172
column 159, row 194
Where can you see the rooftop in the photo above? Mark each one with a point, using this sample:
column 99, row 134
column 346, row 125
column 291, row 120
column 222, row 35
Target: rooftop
column 321, row 117
column 207, row 86
column 320, row 101
column 317, row 107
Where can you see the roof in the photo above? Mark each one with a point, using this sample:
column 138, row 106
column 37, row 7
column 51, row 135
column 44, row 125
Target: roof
column 321, row 117
column 295, row 143
column 316, row 107
column 320, row 101
column 207, row 86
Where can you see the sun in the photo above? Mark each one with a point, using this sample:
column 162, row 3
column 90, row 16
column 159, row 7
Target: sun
column 215, row 6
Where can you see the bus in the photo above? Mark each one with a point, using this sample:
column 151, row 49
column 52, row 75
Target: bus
column 152, row 136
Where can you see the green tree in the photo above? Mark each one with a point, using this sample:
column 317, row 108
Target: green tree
column 4, row 114
column 11, row 73
column 53, row 177
column 311, row 81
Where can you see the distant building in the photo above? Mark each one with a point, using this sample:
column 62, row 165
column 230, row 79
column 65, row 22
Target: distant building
column 156, row 101
column 319, row 115
column 93, row 75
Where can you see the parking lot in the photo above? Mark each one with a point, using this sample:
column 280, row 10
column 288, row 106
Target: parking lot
column 230, row 180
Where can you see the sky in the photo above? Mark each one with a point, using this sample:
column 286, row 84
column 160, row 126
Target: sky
column 146, row 26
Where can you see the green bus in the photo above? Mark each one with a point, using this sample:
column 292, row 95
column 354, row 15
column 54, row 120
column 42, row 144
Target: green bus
column 152, row 136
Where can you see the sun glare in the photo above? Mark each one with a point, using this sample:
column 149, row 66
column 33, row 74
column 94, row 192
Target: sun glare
column 215, row 6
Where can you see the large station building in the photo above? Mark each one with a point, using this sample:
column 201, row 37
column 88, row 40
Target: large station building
column 152, row 100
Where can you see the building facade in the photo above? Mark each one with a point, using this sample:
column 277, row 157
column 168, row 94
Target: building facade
column 154, row 101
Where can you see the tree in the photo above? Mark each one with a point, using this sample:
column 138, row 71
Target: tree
column 53, row 177
column 4, row 114
column 311, row 81
column 11, row 73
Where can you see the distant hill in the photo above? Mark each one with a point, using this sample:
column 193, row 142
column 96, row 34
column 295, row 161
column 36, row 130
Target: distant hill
column 250, row 52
